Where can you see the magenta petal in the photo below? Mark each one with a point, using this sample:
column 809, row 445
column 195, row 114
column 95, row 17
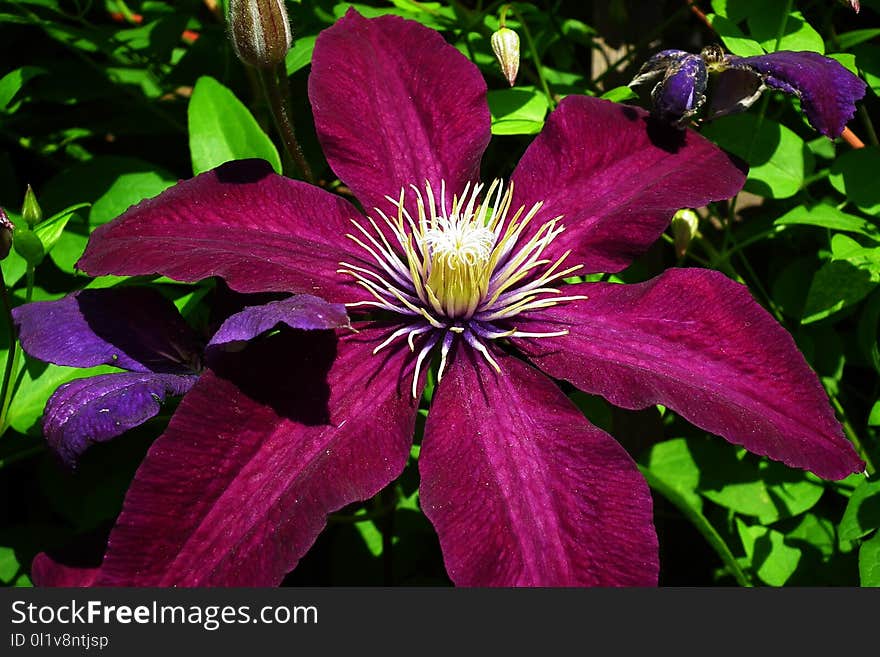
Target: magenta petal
column 99, row 408
column 258, row 230
column 828, row 91
column 395, row 105
column 302, row 311
column 258, row 453
column 134, row 328
column 695, row 341
column 616, row 183
column 523, row 491
column 46, row 571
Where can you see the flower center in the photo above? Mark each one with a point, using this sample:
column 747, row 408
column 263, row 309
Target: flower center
column 464, row 269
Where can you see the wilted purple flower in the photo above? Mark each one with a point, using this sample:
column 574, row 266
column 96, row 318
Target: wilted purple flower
column 827, row 91
column 520, row 487
column 137, row 330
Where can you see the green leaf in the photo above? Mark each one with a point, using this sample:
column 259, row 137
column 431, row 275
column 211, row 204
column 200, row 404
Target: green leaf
column 49, row 230
column 300, row 55
column 855, row 174
column 518, row 111
column 619, row 94
column 773, row 561
column 672, row 464
column 127, row 190
column 798, row 35
column 874, row 415
column 862, row 513
column 828, row 216
column 12, row 83
column 777, row 157
column 868, row 61
column 733, row 38
column 852, row 38
column 869, row 561
column 837, row 285
column 37, row 385
column 221, row 129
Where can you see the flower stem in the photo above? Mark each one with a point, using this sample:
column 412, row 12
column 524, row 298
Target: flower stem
column 11, row 356
column 535, row 58
column 277, row 91
column 713, row 538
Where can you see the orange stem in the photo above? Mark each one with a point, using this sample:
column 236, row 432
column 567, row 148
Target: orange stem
column 850, row 138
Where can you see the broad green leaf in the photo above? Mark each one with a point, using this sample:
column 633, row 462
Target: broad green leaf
column 869, row 561
column 9, row 566
column 822, row 147
column 868, row 61
column 221, row 129
column 862, row 514
column 777, row 157
column 671, row 462
column 798, row 34
column 300, row 55
column 518, row 111
column 38, row 382
column 12, row 83
column 773, row 561
column 127, row 190
column 837, row 285
column 874, row 415
column 854, row 174
column 818, row 532
column 619, row 94
column 49, row 230
column 852, row 38
column 764, row 489
column 734, row 39
column 828, row 216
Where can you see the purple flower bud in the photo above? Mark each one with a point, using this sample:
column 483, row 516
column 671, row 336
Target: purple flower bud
column 6, row 230
column 260, row 31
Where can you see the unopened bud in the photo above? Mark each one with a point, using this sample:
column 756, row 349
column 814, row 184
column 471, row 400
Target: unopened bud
column 28, row 245
column 684, row 227
column 30, row 209
column 855, row 5
column 260, row 31
column 505, row 45
column 6, row 230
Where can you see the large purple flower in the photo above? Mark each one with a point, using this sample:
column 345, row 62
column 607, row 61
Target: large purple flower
column 139, row 331
column 828, row 92
column 520, row 487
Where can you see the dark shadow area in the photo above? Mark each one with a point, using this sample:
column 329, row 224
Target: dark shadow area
column 286, row 370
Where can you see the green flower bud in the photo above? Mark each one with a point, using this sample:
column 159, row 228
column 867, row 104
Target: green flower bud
column 260, row 31
column 684, row 227
column 30, row 209
column 505, row 45
column 6, row 230
column 28, row 246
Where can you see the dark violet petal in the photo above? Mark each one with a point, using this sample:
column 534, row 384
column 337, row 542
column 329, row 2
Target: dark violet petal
column 695, row 341
column 260, row 231
column 828, row 91
column 46, row 571
column 615, row 180
column 96, row 409
column 657, row 65
column 395, row 105
column 134, row 328
column 257, row 454
column 681, row 92
column 523, row 491
column 301, row 311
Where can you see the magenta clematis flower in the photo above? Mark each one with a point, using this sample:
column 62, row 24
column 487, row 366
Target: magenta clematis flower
column 827, row 90
column 520, row 487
